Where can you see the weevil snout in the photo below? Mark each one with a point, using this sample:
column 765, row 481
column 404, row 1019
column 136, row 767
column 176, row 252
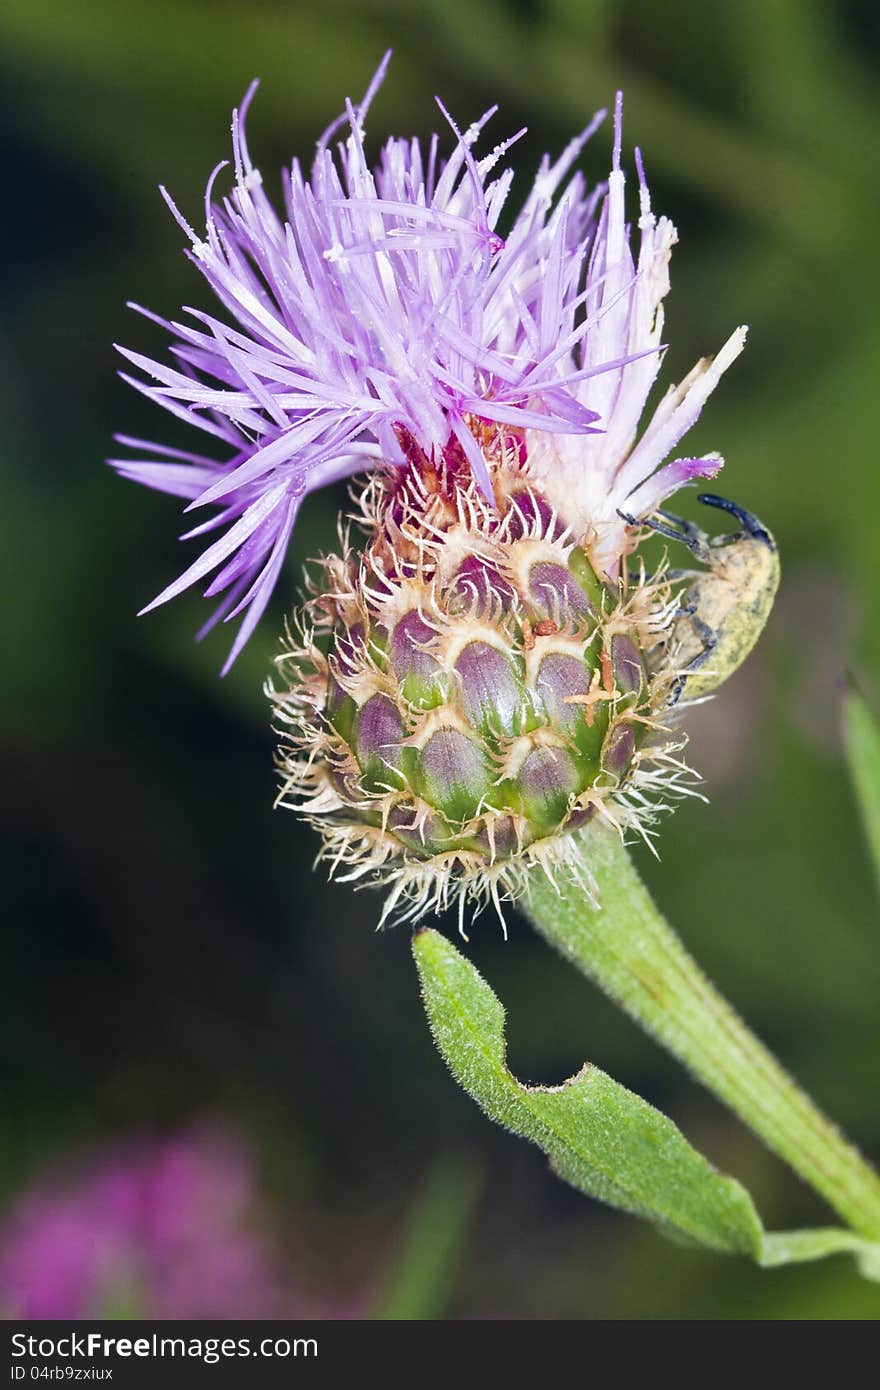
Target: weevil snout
column 747, row 520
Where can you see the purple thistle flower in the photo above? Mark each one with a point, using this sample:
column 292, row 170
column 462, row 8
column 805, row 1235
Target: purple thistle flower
column 593, row 480
column 385, row 313
column 165, row 1229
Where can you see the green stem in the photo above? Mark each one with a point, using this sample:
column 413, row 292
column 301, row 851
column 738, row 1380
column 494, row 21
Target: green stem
column 632, row 953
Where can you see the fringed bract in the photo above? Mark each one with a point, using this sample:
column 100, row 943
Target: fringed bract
column 461, row 694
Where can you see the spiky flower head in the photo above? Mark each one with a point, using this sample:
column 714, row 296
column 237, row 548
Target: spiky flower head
column 476, row 681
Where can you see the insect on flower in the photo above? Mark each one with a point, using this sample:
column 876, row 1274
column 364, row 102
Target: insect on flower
column 724, row 609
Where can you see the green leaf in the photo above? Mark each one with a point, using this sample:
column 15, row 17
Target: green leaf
column 862, row 743
column 628, row 948
column 598, row 1135
column 793, row 1247
column 423, row 1269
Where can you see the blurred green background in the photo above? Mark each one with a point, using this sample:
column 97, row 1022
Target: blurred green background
column 168, row 953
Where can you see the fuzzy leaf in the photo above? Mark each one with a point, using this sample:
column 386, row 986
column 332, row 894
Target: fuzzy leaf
column 599, row 1136
column 862, row 743
column 793, row 1247
column 628, row 948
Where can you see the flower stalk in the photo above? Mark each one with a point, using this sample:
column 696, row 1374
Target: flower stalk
column 629, row 950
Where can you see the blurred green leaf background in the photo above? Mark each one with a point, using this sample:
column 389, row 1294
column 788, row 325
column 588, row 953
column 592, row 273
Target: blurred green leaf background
column 168, row 951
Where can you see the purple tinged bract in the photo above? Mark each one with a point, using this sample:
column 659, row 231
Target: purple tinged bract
column 384, row 313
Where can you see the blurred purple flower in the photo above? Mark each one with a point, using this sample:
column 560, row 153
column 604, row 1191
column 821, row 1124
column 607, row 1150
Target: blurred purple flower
column 165, row 1231
column 386, row 314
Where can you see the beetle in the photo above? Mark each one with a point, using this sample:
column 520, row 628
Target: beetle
column 723, row 609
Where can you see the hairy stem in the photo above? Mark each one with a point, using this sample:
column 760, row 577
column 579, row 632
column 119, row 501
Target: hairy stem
column 632, row 953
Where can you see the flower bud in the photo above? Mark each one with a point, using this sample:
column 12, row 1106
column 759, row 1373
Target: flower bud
column 467, row 690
